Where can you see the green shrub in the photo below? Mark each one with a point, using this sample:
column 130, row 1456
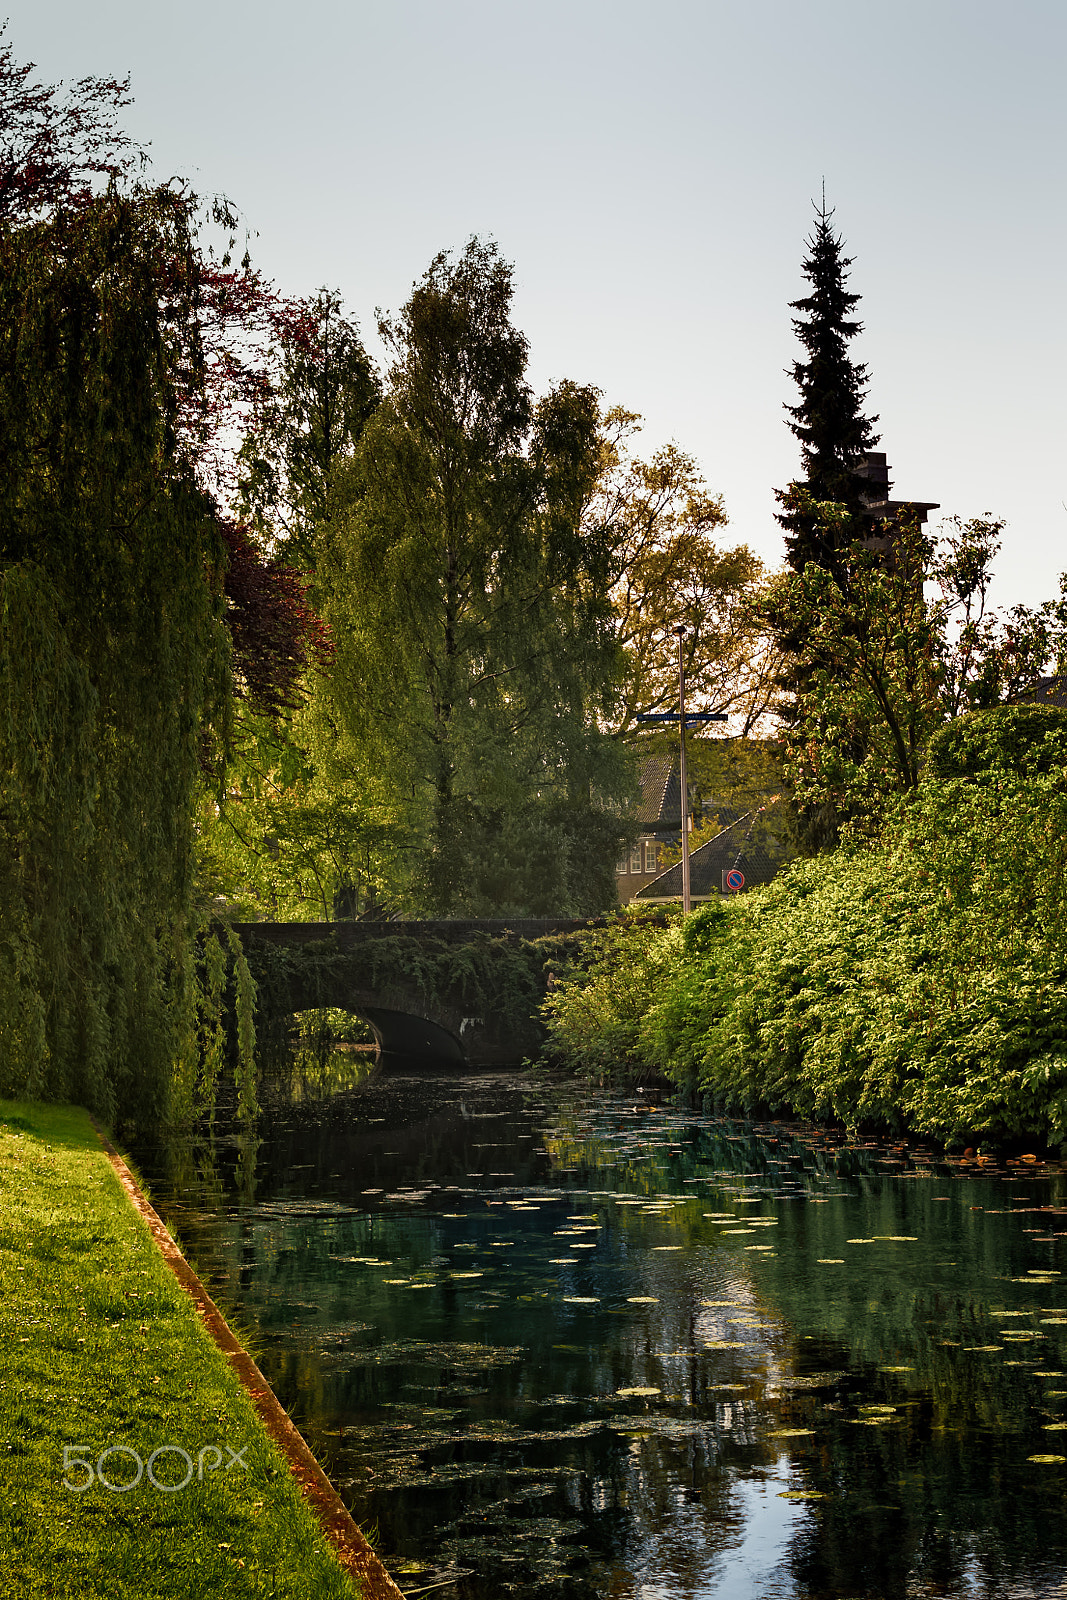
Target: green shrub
column 1019, row 739
column 921, row 983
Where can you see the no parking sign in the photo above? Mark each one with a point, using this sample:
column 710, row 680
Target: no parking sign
column 732, row 880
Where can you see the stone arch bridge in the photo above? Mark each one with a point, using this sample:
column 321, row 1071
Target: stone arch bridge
column 452, row 993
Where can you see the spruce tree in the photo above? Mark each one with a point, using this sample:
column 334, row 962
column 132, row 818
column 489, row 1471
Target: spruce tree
column 829, row 422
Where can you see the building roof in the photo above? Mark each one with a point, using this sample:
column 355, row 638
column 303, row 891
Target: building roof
column 661, row 794
column 735, row 845
column 1045, row 692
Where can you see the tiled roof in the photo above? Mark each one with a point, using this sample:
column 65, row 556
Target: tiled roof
column 661, row 793
column 736, row 845
column 1045, row 692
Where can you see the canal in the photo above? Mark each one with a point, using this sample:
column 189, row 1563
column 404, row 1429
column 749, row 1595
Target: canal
column 550, row 1345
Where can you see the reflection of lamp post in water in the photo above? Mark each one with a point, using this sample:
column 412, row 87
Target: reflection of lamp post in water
column 696, row 716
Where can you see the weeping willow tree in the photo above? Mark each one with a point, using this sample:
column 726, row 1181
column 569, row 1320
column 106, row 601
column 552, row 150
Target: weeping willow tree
column 114, row 656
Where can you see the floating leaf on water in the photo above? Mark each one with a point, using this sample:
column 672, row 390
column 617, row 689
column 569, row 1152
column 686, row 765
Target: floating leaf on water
column 394, row 1280
column 792, row 1433
column 896, row 1369
column 733, row 1304
column 642, row 1300
column 1050, row 1374
column 642, row 1393
column 859, row 1241
column 1054, row 1322
column 1048, row 1461
column 562, row 1261
column 723, row 1344
column 731, row 1388
column 763, row 1247
column 587, row 1247
column 655, row 1247
column 830, row 1261
column 802, row 1494
column 468, row 1274
column 1054, row 1427
column 580, row 1300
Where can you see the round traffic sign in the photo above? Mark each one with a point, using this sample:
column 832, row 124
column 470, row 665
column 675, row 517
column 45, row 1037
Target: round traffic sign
column 735, row 880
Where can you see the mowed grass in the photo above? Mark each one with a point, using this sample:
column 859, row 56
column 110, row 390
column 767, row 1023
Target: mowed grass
column 101, row 1348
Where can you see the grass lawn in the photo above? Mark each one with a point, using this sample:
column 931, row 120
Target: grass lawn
column 103, row 1352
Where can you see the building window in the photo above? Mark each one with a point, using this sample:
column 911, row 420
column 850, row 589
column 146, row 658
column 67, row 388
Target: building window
column 650, row 855
column 622, row 866
column 635, row 858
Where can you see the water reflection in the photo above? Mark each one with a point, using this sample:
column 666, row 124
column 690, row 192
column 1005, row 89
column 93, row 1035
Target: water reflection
column 552, row 1347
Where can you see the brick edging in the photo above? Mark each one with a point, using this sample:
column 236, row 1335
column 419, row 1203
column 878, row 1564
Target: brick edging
column 353, row 1551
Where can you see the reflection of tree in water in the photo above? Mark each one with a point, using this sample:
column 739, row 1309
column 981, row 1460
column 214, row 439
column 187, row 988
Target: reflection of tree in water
column 479, row 1421
column 311, row 1055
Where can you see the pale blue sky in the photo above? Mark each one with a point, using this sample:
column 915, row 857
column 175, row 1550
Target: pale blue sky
column 650, row 172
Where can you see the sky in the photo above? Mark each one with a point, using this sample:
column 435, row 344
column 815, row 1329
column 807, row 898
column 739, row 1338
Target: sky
column 650, row 172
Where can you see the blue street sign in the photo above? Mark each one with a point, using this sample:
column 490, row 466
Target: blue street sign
column 690, row 717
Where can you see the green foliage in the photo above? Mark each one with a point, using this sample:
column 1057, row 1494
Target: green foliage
column 296, row 836
column 475, row 653
column 667, row 567
column 1024, row 740
column 600, row 993
column 113, row 655
column 304, row 428
column 867, row 675
column 916, row 982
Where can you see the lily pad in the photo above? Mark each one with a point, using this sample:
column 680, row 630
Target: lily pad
column 1048, row 1461
column 636, row 1393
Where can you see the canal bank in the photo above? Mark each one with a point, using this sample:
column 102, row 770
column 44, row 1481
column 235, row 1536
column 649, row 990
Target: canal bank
column 144, row 1454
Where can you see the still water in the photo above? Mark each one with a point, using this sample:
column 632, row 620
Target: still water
column 547, row 1346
